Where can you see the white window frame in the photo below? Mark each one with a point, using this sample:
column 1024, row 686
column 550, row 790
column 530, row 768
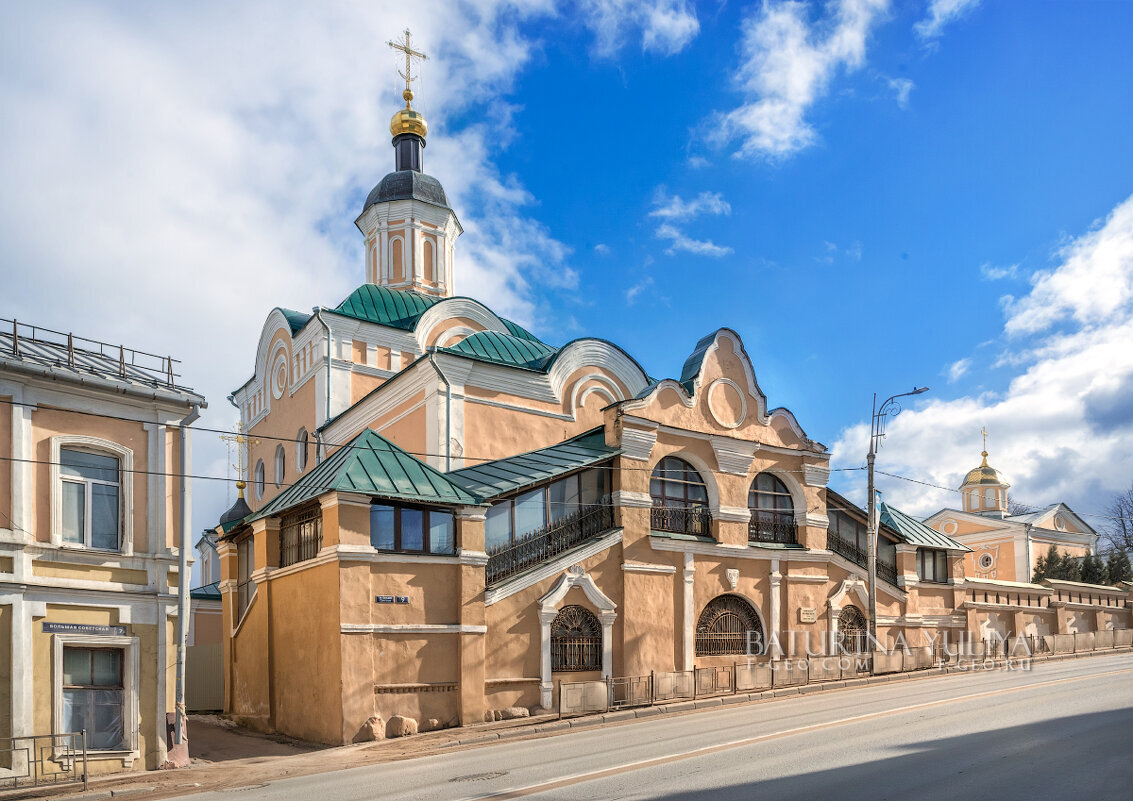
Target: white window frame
column 130, row 687
column 125, row 457
column 259, row 480
column 279, row 465
column 302, row 450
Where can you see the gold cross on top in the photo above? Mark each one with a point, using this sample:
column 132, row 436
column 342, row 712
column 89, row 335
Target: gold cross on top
column 984, row 432
column 410, row 54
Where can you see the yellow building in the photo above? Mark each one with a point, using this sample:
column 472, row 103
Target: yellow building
column 448, row 517
column 91, row 506
column 1006, row 547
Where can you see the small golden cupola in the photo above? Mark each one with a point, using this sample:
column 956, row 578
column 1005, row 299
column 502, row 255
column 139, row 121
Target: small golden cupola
column 985, row 489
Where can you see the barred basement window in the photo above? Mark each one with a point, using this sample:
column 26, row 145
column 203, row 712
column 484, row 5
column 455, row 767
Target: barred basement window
column 300, row 536
column 729, row 624
column 576, row 640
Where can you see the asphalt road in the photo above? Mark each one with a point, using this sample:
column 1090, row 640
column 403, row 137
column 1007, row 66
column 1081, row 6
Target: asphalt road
column 1060, row 731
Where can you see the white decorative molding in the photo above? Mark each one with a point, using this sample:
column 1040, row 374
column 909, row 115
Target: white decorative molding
column 645, row 567
column 718, row 386
column 816, row 475
column 575, row 576
column 550, row 568
column 631, row 500
column 733, row 576
column 411, row 628
column 733, row 514
column 733, row 455
column 637, row 444
column 807, row 578
column 851, row 586
column 126, row 486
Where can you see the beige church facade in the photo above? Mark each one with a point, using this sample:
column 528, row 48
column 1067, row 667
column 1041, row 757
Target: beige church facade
column 449, row 517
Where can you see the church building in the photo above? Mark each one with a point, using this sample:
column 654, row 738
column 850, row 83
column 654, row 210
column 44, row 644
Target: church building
column 448, row 516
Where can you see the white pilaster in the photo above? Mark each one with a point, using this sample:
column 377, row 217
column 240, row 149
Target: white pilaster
column 774, row 613
column 689, row 617
column 546, row 687
column 23, row 500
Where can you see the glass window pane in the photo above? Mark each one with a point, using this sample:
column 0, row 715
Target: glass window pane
column 498, row 526
column 107, row 668
column 381, row 527
column 563, row 498
column 75, row 711
column 88, row 465
column 104, row 516
column 530, row 512
column 440, row 532
column 76, row 666
column 941, row 566
column 106, row 733
column 412, row 530
column 74, row 512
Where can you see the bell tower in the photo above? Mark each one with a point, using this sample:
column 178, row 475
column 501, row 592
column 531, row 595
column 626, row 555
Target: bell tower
column 984, row 490
column 409, row 227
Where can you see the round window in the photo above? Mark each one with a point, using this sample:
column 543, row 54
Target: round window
column 949, row 527
column 1060, row 522
column 986, row 561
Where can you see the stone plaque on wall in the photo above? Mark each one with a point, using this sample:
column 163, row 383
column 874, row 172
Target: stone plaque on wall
column 808, row 614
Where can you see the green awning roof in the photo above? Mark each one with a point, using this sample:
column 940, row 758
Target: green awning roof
column 209, row 592
column 372, row 465
column 915, row 532
column 514, row 473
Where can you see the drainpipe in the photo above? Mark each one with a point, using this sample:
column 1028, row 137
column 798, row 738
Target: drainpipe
column 183, row 574
column 1030, row 564
column 326, row 409
column 448, row 410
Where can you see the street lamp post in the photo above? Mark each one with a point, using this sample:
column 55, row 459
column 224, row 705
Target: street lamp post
column 876, row 432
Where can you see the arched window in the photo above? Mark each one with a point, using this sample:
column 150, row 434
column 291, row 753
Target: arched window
column 259, row 479
column 991, row 498
column 576, row 640
column 280, row 464
column 427, row 252
column 302, row 445
column 852, row 630
column 772, row 511
column 729, row 625
column 397, row 270
column 680, row 498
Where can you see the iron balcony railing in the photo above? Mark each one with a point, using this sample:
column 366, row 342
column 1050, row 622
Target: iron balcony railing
column 885, row 570
column 542, row 544
column 695, row 520
column 773, row 527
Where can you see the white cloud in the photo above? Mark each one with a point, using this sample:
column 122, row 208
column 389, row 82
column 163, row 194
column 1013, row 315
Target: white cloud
column 1062, row 429
column 992, row 272
column 173, row 175
column 666, row 25
column 1094, row 283
column 902, row 88
column 638, row 288
column 673, row 207
column 602, row 249
column 679, row 242
column 940, row 14
column 958, row 369
column 787, row 64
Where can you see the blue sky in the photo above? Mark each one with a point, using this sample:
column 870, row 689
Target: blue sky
column 871, row 199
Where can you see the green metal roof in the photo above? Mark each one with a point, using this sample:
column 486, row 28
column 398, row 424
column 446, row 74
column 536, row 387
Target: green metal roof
column 393, row 307
column 692, row 364
column 915, row 532
column 209, row 592
column 492, row 346
column 514, row 473
column 371, row 465
column 519, row 331
column 295, row 319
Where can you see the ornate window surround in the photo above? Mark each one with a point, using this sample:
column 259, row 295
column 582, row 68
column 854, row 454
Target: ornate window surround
column 126, row 532
column 131, row 686
column 549, row 605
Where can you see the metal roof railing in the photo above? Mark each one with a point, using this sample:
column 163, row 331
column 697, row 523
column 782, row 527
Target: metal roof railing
column 46, row 346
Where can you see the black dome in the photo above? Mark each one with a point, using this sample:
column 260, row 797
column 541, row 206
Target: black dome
column 407, row 185
column 238, row 512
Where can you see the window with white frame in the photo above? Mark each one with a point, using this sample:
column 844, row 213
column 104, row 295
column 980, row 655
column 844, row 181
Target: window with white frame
column 259, row 481
column 94, row 696
column 302, row 446
column 280, row 464
column 90, row 494
column 245, row 564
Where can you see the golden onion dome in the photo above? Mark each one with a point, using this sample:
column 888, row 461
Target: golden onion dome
column 408, row 120
column 985, row 474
